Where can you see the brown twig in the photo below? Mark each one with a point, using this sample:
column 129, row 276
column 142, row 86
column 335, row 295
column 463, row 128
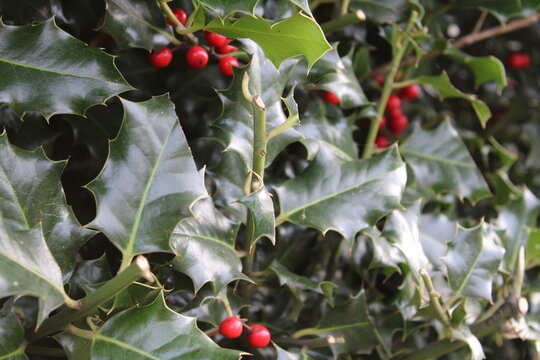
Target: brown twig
column 480, row 22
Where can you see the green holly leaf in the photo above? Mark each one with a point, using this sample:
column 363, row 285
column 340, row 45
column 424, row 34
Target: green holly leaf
column 261, row 207
column 401, row 229
column 46, row 70
column 76, row 348
column 12, row 342
column 380, row 10
column 283, row 354
column 435, row 232
column 296, row 35
column 137, row 23
column 139, row 206
column 155, row 332
column 224, row 8
column 444, row 165
column 326, row 123
column 473, row 258
column 485, row 68
column 463, row 333
column 234, row 127
column 515, row 220
column 343, row 195
column 445, row 89
column 91, row 272
column 205, row 247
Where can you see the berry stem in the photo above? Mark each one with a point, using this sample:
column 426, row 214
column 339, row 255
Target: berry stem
column 138, row 268
column 225, row 301
column 85, row 334
column 399, row 47
column 348, row 19
column 177, row 25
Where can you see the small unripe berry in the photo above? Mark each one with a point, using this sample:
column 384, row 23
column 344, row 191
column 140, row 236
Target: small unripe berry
column 519, row 60
column 197, row 58
column 330, row 97
column 231, row 327
column 259, row 336
column 393, row 102
column 180, row 15
column 398, row 124
column 225, row 49
column 410, row 92
column 162, row 58
column 225, row 65
column 381, row 142
column 214, row 39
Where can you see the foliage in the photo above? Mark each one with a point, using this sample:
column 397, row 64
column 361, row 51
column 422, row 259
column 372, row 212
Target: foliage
column 141, row 206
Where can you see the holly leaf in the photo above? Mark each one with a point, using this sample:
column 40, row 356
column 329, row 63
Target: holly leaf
column 444, row 165
column 485, row 68
column 155, row 332
column 463, row 333
column 326, row 123
column 91, row 272
column 234, row 127
column 205, row 247
column 139, row 206
column 12, row 342
column 25, row 12
column 76, row 348
column 401, row 229
column 32, row 196
column 445, row 89
column 225, row 8
column 261, row 207
column 137, row 23
column 283, row 354
column 343, row 195
column 46, row 70
column 296, row 35
column 435, row 232
column 351, row 322
column 472, row 260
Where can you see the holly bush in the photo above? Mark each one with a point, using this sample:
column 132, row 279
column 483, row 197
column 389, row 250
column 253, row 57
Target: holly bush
column 364, row 186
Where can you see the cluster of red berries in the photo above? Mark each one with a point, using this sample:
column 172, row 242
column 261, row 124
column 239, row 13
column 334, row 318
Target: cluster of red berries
column 232, row 327
column 394, row 118
column 197, row 56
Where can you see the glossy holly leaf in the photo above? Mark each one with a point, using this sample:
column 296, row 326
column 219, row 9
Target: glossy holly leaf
column 208, row 307
column 350, row 321
column 326, row 123
column 204, row 246
column 46, row 70
column 472, row 260
column 343, row 195
column 137, row 23
column 139, row 206
column 76, row 348
column 229, row 176
column 296, row 35
column 463, row 333
column 12, row 342
column 444, row 165
column 283, row 354
column 380, row 10
column 445, row 89
column 91, row 272
column 514, row 221
column 485, row 68
column 32, row 195
column 261, row 207
column 25, row 12
column 435, row 232
column 336, row 74
column 383, row 254
column 234, row 127
column 155, row 332
column 297, row 282
column 401, row 229
column 224, row 8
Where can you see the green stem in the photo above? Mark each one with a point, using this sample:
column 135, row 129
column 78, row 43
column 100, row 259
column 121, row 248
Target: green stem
column 290, row 122
column 512, row 307
column 435, row 298
column 45, row 351
column 178, row 26
column 85, row 334
column 139, row 268
column 400, row 48
column 342, row 21
column 226, row 304
column 344, row 6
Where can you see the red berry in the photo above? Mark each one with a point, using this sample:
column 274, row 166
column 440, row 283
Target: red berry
column 382, row 123
column 162, row 58
column 225, row 49
column 231, row 327
column 519, row 60
column 180, row 15
column 214, row 39
column 410, row 92
column 379, row 79
column 330, row 97
column 393, row 102
column 393, row 113
column 259, row 336
column 225, row 65
column 398, row 124
column 197, row 58
column 381, row 142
